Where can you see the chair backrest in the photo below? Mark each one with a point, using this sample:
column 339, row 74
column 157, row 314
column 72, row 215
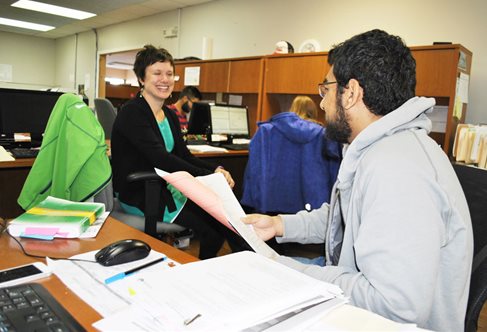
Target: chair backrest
column 106, row 114
column 474, row 184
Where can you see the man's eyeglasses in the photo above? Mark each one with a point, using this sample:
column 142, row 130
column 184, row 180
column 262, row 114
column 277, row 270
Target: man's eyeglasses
column 322, row 88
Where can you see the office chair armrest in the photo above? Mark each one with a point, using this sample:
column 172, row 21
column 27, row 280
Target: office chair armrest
column 143, row 176
column 153, row 185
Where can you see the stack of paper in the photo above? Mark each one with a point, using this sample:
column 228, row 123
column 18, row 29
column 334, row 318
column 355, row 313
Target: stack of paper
column 54, row 217
column 227, row 293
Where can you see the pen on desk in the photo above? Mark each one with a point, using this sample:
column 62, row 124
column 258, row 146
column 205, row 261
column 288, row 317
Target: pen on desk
column 122, row 275
column 190, row 320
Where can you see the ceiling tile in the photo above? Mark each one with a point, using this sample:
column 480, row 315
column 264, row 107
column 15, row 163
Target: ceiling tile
column 108, row 13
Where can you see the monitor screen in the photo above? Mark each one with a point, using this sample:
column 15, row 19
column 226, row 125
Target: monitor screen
column 230, row 120
column 25, row 111
column 199, row 119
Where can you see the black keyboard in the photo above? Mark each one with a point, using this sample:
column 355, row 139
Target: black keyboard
column 24, row 153
column 30, row 307
column 235, row 146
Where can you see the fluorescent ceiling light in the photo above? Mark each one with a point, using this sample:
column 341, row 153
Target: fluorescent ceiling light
column 25, row 25
column 51, row 9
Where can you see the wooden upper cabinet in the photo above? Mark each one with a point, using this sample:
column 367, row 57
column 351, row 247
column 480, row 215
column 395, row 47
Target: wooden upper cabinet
column 436, row 69
column 295, row 73
column 214, row 76
column 240, row 75
column 179, row 71
column 245, row 76
column 121, row 91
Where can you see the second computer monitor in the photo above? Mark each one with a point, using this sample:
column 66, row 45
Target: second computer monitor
column 199, row 119
column 229, row 120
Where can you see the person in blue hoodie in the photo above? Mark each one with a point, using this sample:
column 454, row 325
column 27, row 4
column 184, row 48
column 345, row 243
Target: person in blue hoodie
column 397, row 231
column 291, row 164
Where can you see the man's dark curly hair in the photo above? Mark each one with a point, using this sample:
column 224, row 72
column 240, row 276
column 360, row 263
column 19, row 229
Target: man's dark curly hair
column 383, row 66
column 148, row 56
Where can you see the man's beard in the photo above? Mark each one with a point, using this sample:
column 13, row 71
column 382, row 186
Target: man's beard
column 339, row 129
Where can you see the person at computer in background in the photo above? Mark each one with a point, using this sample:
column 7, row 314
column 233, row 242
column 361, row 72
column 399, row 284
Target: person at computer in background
column 310, row 162
column 184, row 104
column 146, row 134
column 397, row 231
column 305, row 108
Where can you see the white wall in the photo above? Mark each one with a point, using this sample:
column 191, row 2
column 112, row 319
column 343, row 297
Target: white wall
column 252, row 27
column 33, row 61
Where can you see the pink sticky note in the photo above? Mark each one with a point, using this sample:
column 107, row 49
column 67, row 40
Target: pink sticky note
column 51, row 231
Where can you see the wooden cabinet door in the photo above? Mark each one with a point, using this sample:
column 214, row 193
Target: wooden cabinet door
column 179, row 71
column 245, row 76
column 298, row 74
column 435, row 71
column 214, row 76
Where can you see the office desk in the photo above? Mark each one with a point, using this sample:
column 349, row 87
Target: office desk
column 234, row 162
column 344, row 318
column 12, row 178
column 14, row 173
column 113, row 230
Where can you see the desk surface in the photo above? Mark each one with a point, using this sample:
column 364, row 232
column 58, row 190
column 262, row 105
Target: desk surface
column 24, row 162
column 113, row 230
column 344, row 318
column 28, row 162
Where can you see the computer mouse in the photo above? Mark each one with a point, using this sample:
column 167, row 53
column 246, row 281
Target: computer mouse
column 123, row 251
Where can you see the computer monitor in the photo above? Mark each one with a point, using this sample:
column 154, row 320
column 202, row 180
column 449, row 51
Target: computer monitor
column 229, row 120
column 199, row 119
column 25, row 111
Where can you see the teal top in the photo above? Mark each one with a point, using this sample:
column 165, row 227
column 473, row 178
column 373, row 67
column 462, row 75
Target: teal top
column 178, row 197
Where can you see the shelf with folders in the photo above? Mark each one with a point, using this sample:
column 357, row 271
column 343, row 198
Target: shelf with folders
column 470, row 145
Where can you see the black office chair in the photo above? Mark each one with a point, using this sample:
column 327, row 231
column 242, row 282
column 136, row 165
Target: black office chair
column 106, row 114
column 171, row 233
column 474, row 184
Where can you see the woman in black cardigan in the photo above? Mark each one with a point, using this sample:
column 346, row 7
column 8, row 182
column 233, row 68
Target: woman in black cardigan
column 145, row 135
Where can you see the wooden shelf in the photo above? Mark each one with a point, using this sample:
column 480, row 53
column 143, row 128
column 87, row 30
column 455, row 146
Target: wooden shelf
column 437, row 70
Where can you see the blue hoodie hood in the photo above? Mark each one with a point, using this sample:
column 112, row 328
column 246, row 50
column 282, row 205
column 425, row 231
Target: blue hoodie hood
column 295, row 129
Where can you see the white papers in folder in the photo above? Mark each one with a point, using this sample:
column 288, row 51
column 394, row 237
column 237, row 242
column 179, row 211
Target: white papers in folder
column 227, row 293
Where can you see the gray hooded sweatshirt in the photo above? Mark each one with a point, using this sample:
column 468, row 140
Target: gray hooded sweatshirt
column 400, row 217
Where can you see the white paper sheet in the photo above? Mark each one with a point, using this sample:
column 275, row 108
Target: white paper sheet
column 87, row 280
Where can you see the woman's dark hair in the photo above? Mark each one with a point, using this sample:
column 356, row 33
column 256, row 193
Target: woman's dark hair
column 148, row 56
column 383, row 66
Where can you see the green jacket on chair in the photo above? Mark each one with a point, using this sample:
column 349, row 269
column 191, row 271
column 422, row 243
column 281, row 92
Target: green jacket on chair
column 72, row 163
